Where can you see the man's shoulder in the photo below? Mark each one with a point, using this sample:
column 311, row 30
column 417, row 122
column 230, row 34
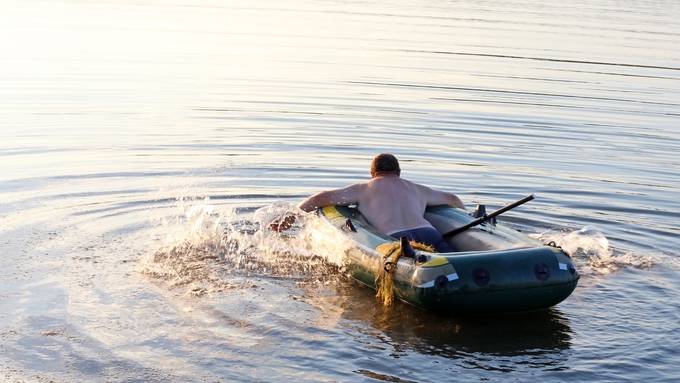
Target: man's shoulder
column 357, row 187
column 360, row 184
column 415, row 184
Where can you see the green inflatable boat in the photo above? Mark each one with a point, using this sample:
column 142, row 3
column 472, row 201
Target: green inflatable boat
column 492, row 267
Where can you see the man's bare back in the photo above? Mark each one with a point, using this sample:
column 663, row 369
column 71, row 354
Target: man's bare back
column 388, row 202
column 391, row 204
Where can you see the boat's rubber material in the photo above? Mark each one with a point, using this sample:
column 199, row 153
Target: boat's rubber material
column 494, row 268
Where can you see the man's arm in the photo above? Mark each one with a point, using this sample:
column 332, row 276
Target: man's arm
column 344, row 196
column 436, row 197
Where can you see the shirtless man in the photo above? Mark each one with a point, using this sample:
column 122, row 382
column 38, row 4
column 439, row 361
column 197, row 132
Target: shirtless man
column 391, row 204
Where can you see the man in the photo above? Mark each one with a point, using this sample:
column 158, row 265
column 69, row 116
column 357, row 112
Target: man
column 390, row 203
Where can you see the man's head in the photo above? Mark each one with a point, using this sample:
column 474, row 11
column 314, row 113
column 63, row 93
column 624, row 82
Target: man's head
column 385, row 164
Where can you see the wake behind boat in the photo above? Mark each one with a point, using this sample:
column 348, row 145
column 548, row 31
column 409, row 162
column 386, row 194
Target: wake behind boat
column 491, row 268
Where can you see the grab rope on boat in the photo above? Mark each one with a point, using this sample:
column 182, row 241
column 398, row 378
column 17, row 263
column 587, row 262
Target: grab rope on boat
column 555, row 245
column 392, row 251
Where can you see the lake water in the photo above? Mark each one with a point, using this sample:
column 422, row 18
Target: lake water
column 135, row 134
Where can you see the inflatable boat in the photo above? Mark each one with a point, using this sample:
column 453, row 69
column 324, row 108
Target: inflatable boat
column 492, row 267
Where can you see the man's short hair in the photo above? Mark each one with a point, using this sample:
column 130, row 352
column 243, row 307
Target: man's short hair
column 385, row 163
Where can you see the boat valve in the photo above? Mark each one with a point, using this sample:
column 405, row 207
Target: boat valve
column 542, row 272
column 481, row 277
column 441, row 281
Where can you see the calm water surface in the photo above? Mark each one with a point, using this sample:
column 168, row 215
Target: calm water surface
column 143, row 142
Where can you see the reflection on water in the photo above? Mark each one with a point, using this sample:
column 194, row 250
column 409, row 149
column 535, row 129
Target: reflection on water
column 535, row 339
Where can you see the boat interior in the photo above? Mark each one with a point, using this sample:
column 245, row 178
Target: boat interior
column 485, row 237
column 480, row 238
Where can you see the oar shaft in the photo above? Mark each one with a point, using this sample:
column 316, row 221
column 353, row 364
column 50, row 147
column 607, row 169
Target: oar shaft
column 488, row 216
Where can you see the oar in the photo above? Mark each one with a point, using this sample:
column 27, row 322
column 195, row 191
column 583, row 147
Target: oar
column 487, row 217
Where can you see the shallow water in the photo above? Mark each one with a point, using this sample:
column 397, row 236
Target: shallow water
column 119, row 118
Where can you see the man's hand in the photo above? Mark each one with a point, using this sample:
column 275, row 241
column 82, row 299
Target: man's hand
column 283, row 223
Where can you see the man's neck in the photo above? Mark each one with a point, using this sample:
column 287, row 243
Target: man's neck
column 385, row 175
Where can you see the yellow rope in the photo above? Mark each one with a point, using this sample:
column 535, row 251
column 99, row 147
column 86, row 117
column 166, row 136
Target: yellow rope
column 384, row 281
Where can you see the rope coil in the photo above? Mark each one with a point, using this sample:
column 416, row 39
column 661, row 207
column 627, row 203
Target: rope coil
column 384, row 282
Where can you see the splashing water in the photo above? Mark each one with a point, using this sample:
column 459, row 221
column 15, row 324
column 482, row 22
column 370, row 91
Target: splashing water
column 208, row 248
column 193, row 248
column 590, row 245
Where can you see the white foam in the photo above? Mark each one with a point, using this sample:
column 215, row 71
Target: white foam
column 592, row 252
